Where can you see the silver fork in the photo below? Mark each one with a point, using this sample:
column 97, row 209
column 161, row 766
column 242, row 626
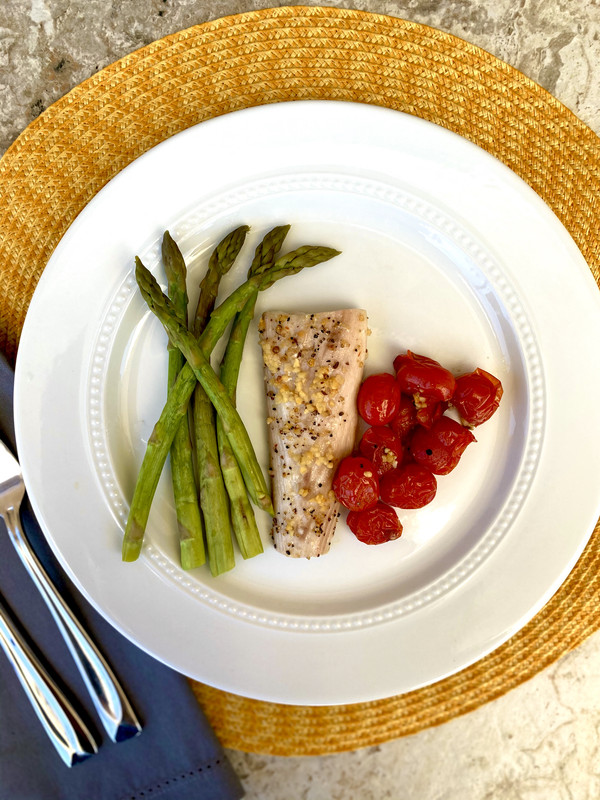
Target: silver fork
column 109, row 699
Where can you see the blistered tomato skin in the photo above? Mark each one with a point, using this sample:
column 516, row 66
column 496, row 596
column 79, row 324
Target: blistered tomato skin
column 422, row 376
column 379, row 399
column 381, row 446
column 440, row 448
column 406, row 418
column 410, row 486
column 356, row 485
column 477, row 396
column 429, row 410
column 376, row 525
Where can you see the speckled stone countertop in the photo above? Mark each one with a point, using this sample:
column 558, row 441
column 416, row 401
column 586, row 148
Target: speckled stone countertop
column 540, row 741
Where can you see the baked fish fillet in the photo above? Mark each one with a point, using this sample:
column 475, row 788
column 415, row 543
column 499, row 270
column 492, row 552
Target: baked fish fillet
column 313, row 370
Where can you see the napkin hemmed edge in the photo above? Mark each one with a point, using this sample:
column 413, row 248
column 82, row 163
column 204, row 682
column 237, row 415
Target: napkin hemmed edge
column 186, row 776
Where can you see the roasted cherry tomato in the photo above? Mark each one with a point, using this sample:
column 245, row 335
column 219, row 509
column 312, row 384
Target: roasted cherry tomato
column 410, row 486
column 429, row 410
column 355, row 484
column 381, row 446
column 379, row 399
column 477, row 396
column 376, row 525
column 406, row 418
column 424, row 377
column 440, row 448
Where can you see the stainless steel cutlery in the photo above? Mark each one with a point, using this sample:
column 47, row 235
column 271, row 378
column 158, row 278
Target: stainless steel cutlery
column 114, row 709
column 65, row 728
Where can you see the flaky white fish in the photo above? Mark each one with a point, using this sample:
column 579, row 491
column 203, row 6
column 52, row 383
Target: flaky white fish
column 313, row 370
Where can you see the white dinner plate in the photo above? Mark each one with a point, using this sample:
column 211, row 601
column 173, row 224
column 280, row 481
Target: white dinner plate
column 453, row 256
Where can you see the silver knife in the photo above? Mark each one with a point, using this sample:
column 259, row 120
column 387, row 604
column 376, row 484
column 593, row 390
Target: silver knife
column 65, row 728
column 113, row 707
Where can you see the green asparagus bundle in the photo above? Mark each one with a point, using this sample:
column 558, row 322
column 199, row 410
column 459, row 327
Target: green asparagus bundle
column 189, row 519
column 197, row 368
column 243, row 520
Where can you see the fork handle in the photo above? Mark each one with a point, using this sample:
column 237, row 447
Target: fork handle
column 62, row 723
column 109, row 699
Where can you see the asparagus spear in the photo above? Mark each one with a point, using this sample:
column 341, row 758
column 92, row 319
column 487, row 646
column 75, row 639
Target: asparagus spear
column 198, row 361
column 155, row 456
column 177, row 402
column 189, row 519
column 242, row 514
column 220, row 262
column 213, row 496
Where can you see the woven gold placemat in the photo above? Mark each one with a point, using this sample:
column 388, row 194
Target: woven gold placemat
column 295, row 53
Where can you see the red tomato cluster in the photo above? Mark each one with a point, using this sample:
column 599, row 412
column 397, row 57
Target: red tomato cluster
column 410, row 441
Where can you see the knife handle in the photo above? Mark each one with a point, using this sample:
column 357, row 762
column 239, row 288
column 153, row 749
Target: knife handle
column 109, row 699
column 62, row 723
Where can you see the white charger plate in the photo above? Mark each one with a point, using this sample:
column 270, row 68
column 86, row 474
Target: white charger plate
column 453, row 256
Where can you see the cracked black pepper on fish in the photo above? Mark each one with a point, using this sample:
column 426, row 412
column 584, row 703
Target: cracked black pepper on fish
column 313, row 370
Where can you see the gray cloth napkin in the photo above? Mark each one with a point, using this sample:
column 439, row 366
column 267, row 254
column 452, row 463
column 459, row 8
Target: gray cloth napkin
column 176, row 757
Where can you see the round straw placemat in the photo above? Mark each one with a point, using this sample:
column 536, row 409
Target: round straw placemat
column 295, row 53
